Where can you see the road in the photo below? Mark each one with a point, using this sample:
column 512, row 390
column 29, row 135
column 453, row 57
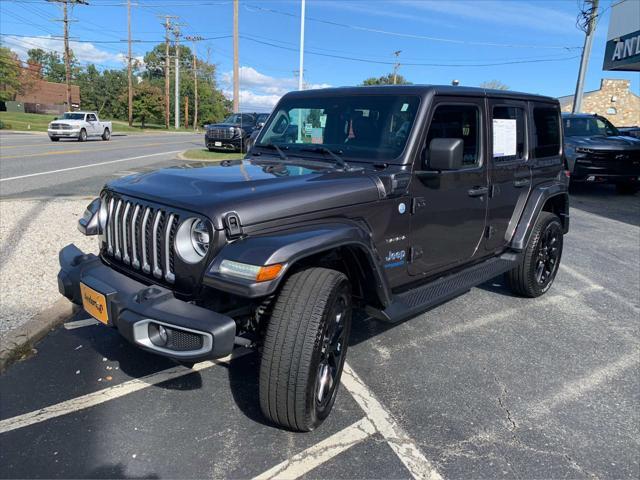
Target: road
column 31, row 166
column 488, row 385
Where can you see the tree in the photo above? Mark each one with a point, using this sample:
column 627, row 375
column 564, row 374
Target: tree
column 494, row 85
column 386, row 80
column 148, row 102
column 103, row 92
column 52, row 64
column 10, row 74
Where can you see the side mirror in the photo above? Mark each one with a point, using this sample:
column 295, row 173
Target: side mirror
column 259, row 125
column 445, row 154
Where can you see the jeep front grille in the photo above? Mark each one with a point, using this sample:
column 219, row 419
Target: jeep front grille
column 141, row 236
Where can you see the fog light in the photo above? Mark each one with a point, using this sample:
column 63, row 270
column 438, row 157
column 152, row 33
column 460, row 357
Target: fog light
column 158, row 335
column 162, row 332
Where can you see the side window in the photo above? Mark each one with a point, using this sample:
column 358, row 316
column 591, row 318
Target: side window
column 547, row 132
column 458, row 121
column 508, row 134
column 91, row 118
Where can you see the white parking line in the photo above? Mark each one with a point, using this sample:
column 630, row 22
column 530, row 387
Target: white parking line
column 321, row 452
column 110, row 393
column 88, row 166
column 583, row 278
column 399, row 441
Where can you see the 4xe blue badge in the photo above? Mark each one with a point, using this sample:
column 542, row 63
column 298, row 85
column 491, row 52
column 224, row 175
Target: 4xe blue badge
column 395, row 259
column 402, row 208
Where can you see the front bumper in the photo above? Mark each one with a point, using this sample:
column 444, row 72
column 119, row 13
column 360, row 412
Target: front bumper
column 193, row 333
column 223, row 143
column 64, row 133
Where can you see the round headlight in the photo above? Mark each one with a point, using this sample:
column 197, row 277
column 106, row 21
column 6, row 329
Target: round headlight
column 192, row 240
column 200, row 237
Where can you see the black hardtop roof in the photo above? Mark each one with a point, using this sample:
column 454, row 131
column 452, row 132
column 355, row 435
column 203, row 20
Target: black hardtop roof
column 421, row 90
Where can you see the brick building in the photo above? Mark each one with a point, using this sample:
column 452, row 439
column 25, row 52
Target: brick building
column 613, row 100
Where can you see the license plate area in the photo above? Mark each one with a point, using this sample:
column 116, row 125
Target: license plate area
column 217, row 144
column 94, row 303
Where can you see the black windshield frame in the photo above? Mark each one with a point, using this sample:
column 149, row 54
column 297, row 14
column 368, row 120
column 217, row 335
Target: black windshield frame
column 391, row 122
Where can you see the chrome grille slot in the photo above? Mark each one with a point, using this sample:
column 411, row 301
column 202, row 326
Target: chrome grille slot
column 141, row 237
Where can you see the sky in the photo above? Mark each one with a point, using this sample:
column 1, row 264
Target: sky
column 530, row 45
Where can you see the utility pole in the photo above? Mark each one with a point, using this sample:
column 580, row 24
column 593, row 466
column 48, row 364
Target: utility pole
column 301, row 71
column 67, row 51
column 176, row 121
column 236, row 70
column 195, row 39
column 186, row 111
column 396, row 66
column 129, row 64
column 588, row 25
column 167, row 69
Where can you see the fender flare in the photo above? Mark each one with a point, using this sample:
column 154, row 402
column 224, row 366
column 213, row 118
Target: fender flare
column 537, row 199
column 288, row 247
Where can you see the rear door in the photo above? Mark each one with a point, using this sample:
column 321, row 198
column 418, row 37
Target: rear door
column 509, row 169
column 449, row 207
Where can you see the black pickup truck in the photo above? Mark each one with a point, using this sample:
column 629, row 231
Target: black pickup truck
column 387, row 199
column 598, row 152
column 234, row 132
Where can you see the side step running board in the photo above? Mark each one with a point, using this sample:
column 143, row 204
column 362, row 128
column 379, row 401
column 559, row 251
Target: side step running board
column 424, row 297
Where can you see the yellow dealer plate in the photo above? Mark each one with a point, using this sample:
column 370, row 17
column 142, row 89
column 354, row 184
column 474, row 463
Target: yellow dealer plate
column 94, row 303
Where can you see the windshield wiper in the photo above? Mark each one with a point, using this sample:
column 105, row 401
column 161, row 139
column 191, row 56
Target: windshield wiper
column 335, row 155
column 275, row 147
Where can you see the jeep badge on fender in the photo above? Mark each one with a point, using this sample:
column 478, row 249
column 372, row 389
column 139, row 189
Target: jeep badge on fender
column 387, row 199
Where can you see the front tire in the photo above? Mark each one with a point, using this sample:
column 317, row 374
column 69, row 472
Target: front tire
column 106, row 135
column 541, row 259
column 305, row 347
column 83, row 136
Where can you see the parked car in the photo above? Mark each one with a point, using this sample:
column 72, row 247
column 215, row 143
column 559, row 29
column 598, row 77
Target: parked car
column 233, row 133
column 398, row 199
column 630, row 131
column 598, row 152
column 79, row 125
column 261, row 119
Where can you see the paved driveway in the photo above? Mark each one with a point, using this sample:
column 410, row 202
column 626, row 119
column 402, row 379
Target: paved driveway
column 487, row 385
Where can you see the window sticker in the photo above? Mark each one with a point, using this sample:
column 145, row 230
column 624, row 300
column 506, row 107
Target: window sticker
column 504, row 137
column 404, row 108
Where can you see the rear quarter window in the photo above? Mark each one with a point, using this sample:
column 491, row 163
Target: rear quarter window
column 546, row 126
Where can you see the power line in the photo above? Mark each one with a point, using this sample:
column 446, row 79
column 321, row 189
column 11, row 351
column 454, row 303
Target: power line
column 410, row 35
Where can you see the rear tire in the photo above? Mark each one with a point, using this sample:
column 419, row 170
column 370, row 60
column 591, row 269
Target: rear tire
column 106, row 135
column 83, row 136
column 627, row 188
column 541, row 259
column 304, row 348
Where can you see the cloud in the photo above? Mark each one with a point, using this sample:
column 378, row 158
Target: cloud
column 84, row 52
column 259, row 91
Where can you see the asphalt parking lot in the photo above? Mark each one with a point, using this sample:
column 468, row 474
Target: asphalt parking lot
column 487, row 385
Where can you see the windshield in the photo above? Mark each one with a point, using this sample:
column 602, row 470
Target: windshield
column 589, row 126
column 368, row 127
column 239, row 119
column 73, row 116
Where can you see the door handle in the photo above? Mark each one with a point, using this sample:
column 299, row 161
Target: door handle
column 478, row 191
column 521, row 183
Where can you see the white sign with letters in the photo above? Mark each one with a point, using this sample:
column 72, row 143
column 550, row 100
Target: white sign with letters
column 504, row 137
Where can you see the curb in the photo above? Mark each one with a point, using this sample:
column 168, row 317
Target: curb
column 16, row 343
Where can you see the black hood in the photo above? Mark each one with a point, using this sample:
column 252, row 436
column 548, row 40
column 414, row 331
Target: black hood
column 601, row 142
column 257, row 191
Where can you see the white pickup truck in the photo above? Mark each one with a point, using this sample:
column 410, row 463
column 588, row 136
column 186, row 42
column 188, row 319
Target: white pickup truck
column 80, row 125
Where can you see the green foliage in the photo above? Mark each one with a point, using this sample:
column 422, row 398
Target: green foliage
column 104, row 91
column 10, row 83
column 148, row 102
column 52, row 65
column 494, row 85
column 386, row 80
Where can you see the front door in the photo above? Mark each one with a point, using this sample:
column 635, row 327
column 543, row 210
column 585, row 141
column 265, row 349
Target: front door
column 93, row 127
column 510, row 173
column 449, row 207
